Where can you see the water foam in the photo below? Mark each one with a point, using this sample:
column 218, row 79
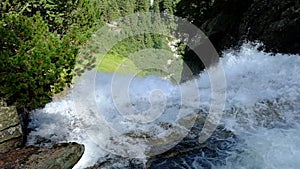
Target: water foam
column 262, row 109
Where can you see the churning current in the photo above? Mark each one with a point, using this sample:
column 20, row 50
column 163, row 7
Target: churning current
column 262, row 110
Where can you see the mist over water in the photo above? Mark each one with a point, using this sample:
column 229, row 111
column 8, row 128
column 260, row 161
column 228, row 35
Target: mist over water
column 262, row 110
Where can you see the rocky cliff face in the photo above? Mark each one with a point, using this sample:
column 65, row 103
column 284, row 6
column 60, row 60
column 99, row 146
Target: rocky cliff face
column 228, row 23
column 275, row 23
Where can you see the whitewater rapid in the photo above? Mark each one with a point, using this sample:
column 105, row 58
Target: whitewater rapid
column 262, row 109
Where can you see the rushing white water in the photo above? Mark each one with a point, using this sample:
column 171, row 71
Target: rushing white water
column 262, row 109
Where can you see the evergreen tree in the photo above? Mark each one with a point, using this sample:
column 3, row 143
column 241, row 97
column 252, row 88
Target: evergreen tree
column 155, row 7
column 156, row 16
column 158, row 42
column 113, row 10
column 148, row 41
column 104, row 10
column 193, row 10
column 126, row 7
column 142, row 6
column 167, row 6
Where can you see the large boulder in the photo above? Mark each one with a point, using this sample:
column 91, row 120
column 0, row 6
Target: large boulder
column 11, row 135
column 60, row 156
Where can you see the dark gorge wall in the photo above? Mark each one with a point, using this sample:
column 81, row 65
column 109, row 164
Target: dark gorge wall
column 228, row 23
column 274, row 22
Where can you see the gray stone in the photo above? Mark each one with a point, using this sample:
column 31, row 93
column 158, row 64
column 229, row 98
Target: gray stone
column 11, row 135
column 60, row 156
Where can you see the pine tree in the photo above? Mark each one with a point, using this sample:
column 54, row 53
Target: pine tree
column 193, row 10
column 142, row 6
column 155, row 7
column 167, row 6
column 104, row 9
column 148, row 41
column 126, row 7
column 156, row 19
column 113, row 10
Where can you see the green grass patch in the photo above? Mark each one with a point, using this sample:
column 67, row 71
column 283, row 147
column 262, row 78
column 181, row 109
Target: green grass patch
column 112, row 63
column 143, row 63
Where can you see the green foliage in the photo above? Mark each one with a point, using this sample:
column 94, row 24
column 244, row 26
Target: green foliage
column 155, row 7
column 56, row 13
column 138, row 42
column 130, row 45
column 40, row 40
column 39, row 43
column 193, row 10
column 142, row 6
column 35, row 63
column 61, row 16
column 113, row 10
column 127, row 7
column 167, row 6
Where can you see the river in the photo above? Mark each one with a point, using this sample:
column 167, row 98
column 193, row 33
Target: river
column 262, row 109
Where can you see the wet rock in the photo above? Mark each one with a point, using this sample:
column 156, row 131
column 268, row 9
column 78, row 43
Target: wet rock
column 11, row 134
column 190, row 153
column 187, row 153
column 111, row 161
column 60, row 156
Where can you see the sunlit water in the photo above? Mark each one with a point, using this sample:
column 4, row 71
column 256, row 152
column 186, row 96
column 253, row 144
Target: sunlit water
column 262, row 110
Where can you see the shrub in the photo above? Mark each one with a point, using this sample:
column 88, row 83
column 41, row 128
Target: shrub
column 55, row 12
column 34, row 63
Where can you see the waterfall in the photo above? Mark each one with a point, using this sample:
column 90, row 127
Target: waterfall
column 262, row 110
